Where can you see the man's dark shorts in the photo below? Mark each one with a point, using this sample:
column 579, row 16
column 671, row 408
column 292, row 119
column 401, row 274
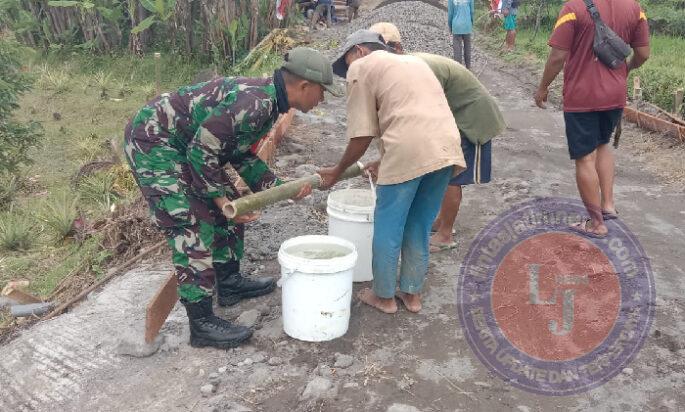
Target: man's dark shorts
column 585, row 131
column 478, row 163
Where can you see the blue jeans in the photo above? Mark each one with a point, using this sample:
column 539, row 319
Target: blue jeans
column 402, row 221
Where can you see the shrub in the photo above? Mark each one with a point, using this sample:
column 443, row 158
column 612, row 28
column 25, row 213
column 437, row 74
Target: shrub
column 9, row 185
column 99, row 189
column 58, row 213
column 16, row 138
column 16, row 231
column 53, row 79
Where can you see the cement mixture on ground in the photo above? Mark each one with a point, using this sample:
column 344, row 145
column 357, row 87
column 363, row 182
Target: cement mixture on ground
column 93, row 358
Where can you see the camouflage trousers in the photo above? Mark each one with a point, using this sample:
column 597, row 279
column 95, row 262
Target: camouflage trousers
column 198, row 234
column 195, row 251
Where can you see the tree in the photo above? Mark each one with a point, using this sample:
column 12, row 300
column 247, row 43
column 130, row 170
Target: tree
column 16, row 138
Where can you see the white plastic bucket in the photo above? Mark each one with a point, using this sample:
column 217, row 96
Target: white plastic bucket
column 350, row 216
column 316, row 282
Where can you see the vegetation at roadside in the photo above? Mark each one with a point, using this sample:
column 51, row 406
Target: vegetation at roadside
column 66, row 172
column 217, row 32
column 16, row 137
column 660, row 77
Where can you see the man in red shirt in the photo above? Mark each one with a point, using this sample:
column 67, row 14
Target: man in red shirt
column 594, row 97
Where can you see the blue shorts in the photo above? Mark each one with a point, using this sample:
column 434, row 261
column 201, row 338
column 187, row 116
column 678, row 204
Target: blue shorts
column 510, row 20
column 478, row 163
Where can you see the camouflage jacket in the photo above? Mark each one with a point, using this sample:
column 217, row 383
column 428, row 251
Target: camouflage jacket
column 208, row 125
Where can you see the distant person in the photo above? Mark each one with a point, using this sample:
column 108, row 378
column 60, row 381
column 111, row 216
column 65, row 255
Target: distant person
column 460, row 21
column 494, row 6
column 178, row 145
column 323, row 7
column 509, row 11
column 353, row 9
column 397, row 99
column 307, row 8
column 478, row 118
column 594, row 97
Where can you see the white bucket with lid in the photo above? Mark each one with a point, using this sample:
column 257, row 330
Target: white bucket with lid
column 316, row 282
column 350, row 216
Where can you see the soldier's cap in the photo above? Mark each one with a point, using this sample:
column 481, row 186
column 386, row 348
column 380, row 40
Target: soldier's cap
column 356, row 38
column 311, row 65
column 389, row 32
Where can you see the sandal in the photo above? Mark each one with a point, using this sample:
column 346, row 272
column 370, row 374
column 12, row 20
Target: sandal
column 583, row 229
column 609, row 215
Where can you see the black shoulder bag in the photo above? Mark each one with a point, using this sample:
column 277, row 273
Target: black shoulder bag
column 609, row 48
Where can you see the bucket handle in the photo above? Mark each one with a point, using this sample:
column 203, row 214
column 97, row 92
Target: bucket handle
column 373, row 187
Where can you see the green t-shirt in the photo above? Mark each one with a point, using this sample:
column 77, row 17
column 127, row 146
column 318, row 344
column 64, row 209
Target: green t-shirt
column 474, row 109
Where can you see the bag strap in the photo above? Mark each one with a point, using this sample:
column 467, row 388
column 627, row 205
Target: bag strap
column 593, row 10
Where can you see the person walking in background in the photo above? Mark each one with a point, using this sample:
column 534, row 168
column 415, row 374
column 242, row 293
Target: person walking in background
column 509, row 11
column 353, row 9
column 594, row 97
column 322, row 7
column 460, row 22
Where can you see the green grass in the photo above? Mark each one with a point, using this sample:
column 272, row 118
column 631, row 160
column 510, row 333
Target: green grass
column 93, row 98
column 664, row 72
column 83, row 103
column 17, row 231
column 47, row 266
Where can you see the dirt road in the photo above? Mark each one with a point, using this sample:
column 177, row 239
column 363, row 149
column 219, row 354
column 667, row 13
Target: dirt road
column 81, row 360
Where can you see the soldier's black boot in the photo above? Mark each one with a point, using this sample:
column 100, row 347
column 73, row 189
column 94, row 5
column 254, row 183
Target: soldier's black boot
column 231, row 286
column 206, row 329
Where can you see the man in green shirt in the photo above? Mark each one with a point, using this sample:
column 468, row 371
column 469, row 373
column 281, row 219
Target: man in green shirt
column 478, row 118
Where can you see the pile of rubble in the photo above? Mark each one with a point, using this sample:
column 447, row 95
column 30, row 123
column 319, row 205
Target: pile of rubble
column 423, row 27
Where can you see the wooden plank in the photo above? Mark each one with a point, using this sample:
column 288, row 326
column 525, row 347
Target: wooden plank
column 159, row 307
column 653, row 123
column 20, row 296
column 637, row 90
column 14, row 284
column 665, row 113
column 267, row 149
column 678, row 102
column 158, row 84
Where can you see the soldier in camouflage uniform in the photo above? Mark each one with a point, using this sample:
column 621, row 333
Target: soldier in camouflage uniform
column 177, row 147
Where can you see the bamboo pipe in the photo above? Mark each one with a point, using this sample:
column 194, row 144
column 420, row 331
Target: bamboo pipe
column 250, row 203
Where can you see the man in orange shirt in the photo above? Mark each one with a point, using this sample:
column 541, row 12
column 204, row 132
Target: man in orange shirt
column 594, row 97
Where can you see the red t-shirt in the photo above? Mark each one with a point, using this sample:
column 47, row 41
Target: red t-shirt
column 589, row 85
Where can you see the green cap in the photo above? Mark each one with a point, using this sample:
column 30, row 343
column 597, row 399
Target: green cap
column 311, row 65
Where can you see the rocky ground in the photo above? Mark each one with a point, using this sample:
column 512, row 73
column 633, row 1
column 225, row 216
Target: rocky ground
column 93, row 359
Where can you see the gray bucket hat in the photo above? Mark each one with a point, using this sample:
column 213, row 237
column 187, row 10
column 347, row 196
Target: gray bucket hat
column 358, row 37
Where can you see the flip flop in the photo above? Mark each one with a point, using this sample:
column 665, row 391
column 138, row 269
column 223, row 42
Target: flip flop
column 582, row 229
column 441, row 247
column 609, row 215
